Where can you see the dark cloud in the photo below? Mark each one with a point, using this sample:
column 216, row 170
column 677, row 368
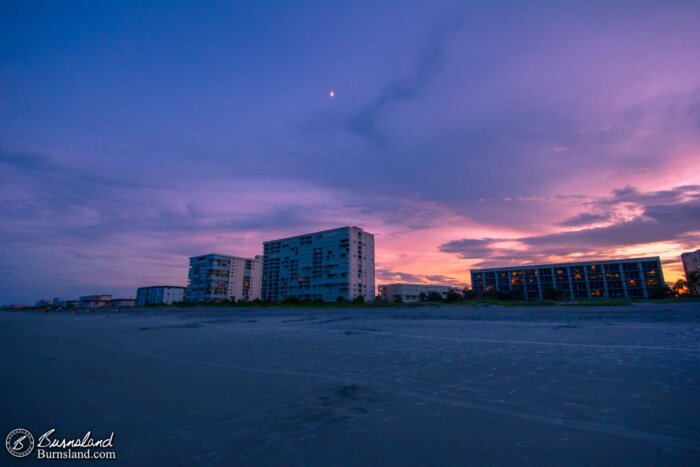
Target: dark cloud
column 27, row 161
column 470, row 248
column 442, row 279
column 430, row 61
column 387, row 275
column 584, row 219
column 658, row 223
column 630, row 194
column 678, row 221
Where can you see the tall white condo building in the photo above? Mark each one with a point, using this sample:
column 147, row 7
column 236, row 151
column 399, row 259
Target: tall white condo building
column 328, row 265
column 216, row 277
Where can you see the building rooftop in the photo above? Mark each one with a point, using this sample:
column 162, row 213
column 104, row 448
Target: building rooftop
column 222, row 255
column 572, row 263
column 314, row 233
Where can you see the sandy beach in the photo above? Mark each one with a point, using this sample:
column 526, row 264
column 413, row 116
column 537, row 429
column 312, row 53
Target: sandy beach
column 395, row 386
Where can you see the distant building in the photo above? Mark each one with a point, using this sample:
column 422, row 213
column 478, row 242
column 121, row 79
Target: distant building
column 411, row 292
column 624, row 278
column 122, row 302
column 95, row 301
column 42, row 303
column 327, row 265
column 216, row 277
column 691, row 267
column 159, row 295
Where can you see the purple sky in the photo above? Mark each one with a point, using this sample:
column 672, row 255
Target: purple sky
column 461, row 134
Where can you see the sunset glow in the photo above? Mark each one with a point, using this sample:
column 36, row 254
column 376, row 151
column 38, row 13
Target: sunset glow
column 456, row 142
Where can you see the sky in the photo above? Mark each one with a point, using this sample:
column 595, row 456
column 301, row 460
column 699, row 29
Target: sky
column 462, row 134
